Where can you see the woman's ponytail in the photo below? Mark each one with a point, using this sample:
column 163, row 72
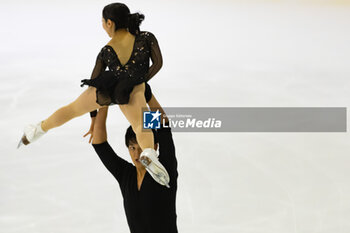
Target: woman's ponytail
column 134, row 22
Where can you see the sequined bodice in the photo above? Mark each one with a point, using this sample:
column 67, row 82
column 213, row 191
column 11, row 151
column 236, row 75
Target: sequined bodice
column 138, row 64
column 135, row 71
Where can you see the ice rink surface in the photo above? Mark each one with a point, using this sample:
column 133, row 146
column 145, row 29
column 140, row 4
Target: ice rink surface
column 216, row 53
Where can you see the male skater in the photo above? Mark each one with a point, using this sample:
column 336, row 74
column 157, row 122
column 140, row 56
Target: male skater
column 149, row 206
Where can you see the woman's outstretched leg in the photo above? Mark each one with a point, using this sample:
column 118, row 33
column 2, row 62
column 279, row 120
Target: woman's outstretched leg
column 85, row 103
column 148, row 157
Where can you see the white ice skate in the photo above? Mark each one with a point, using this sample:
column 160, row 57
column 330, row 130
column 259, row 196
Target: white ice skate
column 149, row 159
column 31, row 134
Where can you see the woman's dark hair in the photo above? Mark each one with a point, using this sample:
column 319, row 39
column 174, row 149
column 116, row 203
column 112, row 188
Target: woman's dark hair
column 130, row 136
column 119, row 13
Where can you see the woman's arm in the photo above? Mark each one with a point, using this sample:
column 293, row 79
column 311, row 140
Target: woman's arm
column 156, row 57
column 100, row 66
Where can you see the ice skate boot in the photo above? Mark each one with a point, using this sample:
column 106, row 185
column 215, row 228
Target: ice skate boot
column 31, row 134
column 149, row 159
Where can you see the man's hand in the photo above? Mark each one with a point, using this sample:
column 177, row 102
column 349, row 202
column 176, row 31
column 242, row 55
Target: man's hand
column 91, row 130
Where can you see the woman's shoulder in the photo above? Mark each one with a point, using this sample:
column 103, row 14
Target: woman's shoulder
column 105, row 52
column 107, row 48
column 147, row 34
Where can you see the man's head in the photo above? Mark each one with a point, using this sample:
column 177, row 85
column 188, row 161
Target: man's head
column 134, row 148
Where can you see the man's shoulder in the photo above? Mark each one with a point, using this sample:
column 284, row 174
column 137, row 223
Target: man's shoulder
column 105, row 149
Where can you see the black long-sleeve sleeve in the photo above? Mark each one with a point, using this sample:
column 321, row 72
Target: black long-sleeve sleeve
column 167, row 154
column 115, row 164
column 100, row 66
column 156, row 57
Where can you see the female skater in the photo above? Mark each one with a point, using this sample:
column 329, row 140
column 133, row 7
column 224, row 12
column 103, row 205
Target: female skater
column 127, row 57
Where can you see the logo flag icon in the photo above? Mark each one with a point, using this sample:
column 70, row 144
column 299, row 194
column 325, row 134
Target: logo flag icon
column 151, row 120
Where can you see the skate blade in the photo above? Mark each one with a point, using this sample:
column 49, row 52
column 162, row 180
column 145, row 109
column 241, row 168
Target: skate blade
column 159, row 177
column 20, row 143
column 23, row 141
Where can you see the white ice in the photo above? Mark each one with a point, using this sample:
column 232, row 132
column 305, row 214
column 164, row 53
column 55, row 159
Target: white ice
column 216, row 53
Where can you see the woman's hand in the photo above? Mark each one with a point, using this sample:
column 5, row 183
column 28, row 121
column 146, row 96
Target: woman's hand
column 91, row 130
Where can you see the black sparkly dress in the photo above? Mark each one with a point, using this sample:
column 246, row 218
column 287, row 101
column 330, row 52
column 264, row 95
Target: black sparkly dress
column 115, row 85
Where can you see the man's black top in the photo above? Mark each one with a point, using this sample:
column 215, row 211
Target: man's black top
column 152, row 209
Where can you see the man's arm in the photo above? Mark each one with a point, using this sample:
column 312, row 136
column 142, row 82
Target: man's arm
column 115, row 165
column 166, row 144
column 100, row 131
